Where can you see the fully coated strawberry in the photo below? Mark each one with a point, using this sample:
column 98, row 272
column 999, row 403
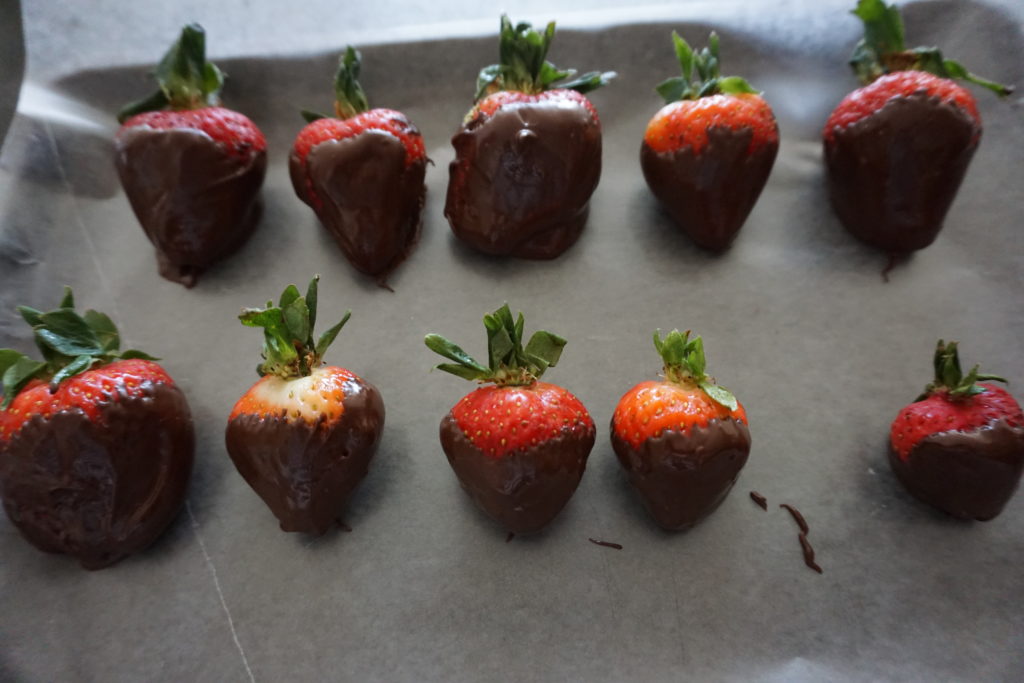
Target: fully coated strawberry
column 528, row 155
column 304, row 434
column 706, row 155
column 683, row 439
column 897, row 149
column 191, row 169
column 362, row 173
column 96, row 444
column 517, row 445
column 960, row 446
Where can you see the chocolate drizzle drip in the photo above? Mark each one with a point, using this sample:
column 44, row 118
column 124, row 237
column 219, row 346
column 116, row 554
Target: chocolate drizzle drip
column 305, row 472
column 509, row 537
column 683, row 477
column 892, row 176
column 100, row 491
column 366, row 197
column 524, row 490
column 521, row 180
column 196, row 203
column 605, row 544
column 805, row 545
column 759, row 499
column 799, row 518
column 969, row 475
column 710, row 194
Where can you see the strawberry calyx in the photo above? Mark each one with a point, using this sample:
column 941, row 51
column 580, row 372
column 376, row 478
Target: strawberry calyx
column 522, row 65
column 349, row 97
column 883, row 50
column 69, row 343
column 186, row 79
column 708, row 80
column 950, row 379
column 509, row 363
column 685, row 363
column 288, row 349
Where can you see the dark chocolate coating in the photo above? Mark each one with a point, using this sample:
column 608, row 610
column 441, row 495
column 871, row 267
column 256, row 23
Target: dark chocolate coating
column 521, row 180
column 100, row 492
column 681, row 477
column 970, row 475
column 892, row 176
column 196, row 203
column 524, row 490
column 370, row 200
column 709, row 195
column 305, row 472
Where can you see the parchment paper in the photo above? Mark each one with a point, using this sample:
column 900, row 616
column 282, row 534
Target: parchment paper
column 797, row 322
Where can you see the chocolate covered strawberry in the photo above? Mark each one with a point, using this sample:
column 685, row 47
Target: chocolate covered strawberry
column 960, row 446
column 683, row 439
column 191, row 169
column 897, row 149
column 96, row 444
column 706, row 155
column 304, row 434
column 528, row 155
column 518, row 445
column 362, row 172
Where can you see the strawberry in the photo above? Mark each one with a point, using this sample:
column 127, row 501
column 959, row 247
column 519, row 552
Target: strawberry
column 518, row 445
column 897, row 149
column 362, row 173
column 706, row 155
column 304, row 434
column 960, row 446
column 682, row 440
column 528, row 155
column 96, row 444
column 191, row 169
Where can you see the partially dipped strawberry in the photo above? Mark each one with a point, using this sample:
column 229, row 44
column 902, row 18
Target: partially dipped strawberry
column 96, row 444
column 191, row 169
column 897, row 149
column 517, row 445
column 304, row 434
column 960, row 446
column 683, row 439
column 362, row 173
column 528, row 155
column 707, row 153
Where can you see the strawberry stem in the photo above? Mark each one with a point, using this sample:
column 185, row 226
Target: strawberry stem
column 685, row 363
column 522, row 64
column 707, row 82
column 509, row 363
column 949, row 377
column 186, row 79
column 69, row 343
column 350, row 99
column 883, row 50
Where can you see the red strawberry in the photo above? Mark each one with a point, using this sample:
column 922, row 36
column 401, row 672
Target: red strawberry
column 518, row 446
column 960, row 446
column 706, row 155
column 682, row 440
column 304, row 434
column 363, row 175
column 96, row 444
column 897, row 149
column 191, row 169
column 528, row 155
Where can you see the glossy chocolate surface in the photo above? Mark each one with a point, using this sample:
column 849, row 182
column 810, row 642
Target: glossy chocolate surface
column 892, row 176
column 305, row 472
column 970, row 475
column 709, row 195
column 521, row 180
column 100, row 493
column 370, row 200
column 196, row 203
column 682, row 478
column 524, row 490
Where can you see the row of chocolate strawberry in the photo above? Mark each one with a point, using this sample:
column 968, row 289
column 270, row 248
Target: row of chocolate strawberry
column 528, row 154
column 97, row 444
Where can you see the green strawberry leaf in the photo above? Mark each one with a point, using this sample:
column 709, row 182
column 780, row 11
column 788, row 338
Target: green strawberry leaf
column 452, row 351
column 31, row 315
column 296, row 319
column 684, row 53
column 499, row 347
column 9, row 357
column 463, row 371
column 349, row 96
column 734, row 85
column 104, row 329
column 79, row 365
column 311, row 302
column 545, row 346
column 135, row 354
column 327, row 338
column 719, row 394
column 883, row 26
column 17, row 375
column 66, row 332
column 290, row 294
column 311, row 116
column 68, row 301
